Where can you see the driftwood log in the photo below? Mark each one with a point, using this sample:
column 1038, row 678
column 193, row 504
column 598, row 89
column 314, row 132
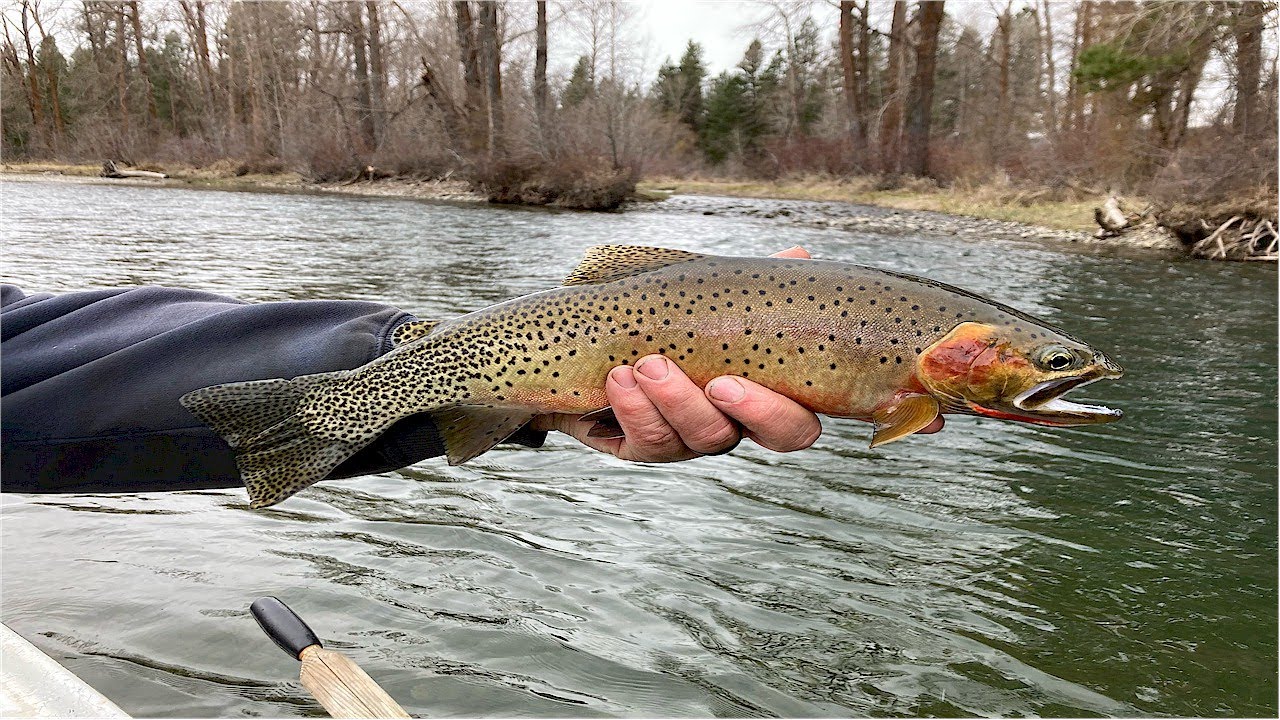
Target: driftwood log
column 1243, row 230
column 1110, row 218
column 111, row 170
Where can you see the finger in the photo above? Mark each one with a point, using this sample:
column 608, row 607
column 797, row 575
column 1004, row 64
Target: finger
column 649, row 437
column 794, row 251
column 700, row 426
column 772, row 420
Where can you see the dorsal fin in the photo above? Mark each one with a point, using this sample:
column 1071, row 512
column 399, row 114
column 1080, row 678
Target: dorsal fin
column 412, row 330
column 604, row 263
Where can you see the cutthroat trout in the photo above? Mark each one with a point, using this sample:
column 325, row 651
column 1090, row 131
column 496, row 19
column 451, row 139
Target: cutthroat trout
column 842, row 340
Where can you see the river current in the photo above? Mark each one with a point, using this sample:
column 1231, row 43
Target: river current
column 991, row 569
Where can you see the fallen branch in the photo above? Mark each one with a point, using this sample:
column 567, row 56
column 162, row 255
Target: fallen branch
column 1201, row 247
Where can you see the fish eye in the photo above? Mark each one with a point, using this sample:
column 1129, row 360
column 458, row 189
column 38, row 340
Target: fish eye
column 1057, row 358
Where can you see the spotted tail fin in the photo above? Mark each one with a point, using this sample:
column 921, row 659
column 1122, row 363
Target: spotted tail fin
column 277, row 453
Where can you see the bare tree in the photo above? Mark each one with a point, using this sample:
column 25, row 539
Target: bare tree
column 377, row 71
column 540, row 94
column 851, row 63
column 920, row 105
column 491, row 49
column 364, row 100
column 1050, row 88
column 1248, row 23
column 25, row 77
column 143, row 70
column 475, row 105
column 894, row 87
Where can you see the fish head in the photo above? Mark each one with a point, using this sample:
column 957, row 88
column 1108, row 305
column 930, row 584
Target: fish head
column 1015, row 374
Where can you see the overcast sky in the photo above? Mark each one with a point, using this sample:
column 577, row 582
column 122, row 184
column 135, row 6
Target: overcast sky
column 716, row 26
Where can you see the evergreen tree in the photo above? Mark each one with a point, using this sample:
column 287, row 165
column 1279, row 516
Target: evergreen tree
column 678, row 89
column 806, row 56
column 723, row 132
column 580, row 86
column 738, row 108
column 692, row 73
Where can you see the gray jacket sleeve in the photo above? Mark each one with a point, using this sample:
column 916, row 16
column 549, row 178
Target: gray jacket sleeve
column 91, row 381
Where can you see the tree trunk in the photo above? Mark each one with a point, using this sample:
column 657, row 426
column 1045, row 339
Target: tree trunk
column 97, row 35
column 451, row 118
column 852, row 93
column 540, row 95
column 193, row 14
column 364, row 102
column 378, row 70
column 1248, row 32
column 1051, row 75
column 10, row 52
column 1004, row 33
column 143, row 70
column 490, row 45
column 1080, row 38
column 122, row 67
column 34, row 93
column 51, row 83
column 1197, row 58
column 474, row 106
column 863, row 69
column 894, row 85
column 916, row 158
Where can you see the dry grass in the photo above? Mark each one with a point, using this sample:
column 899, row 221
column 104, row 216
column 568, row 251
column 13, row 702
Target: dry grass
column 228, row 174
column 1032, row 206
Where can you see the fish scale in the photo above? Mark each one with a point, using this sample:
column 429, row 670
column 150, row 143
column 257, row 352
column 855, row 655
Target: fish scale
column 841, row 339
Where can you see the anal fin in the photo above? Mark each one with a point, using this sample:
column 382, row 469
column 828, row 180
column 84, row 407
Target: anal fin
column 471, row 430
column 910, row 414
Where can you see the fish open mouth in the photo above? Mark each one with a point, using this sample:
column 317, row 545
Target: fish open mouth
column 1044, row 403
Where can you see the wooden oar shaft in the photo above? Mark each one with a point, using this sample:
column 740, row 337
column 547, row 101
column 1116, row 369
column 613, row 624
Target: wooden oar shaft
column 343, row 688
column 333, row 679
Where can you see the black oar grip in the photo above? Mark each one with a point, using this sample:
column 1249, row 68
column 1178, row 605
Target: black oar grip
column 283, row 626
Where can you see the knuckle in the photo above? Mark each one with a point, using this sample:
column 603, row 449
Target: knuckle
column 806, row 437
column 673, row 395
column 712, row 438
column 781, row 430
column 655, row 435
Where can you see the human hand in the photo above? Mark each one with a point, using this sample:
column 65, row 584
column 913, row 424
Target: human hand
column 665, row 417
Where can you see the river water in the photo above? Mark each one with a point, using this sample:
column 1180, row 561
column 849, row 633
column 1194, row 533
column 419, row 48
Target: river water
column 992, row 569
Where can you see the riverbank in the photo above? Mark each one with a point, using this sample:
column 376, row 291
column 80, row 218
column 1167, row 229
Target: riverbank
column 225, row 175
column 820, row 202
column 1030, row 207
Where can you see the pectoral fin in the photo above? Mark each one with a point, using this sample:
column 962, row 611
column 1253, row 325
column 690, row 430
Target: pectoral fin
column 606, row 424
column 469, row 430
column 910, row 414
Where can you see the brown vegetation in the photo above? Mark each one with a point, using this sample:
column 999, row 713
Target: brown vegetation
column 1171, row 101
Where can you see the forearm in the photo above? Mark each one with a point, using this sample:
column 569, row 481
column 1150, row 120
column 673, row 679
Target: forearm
column 92, row 380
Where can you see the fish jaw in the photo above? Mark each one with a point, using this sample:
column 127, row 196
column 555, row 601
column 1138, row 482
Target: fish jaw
column 1044, row 404
column 980, row 369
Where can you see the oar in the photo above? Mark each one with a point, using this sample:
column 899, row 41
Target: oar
column 334, row 679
